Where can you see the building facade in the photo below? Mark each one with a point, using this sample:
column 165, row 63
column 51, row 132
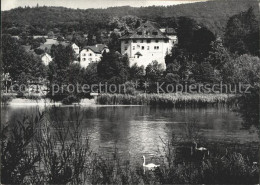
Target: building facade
column 75, row 48
column 92, row 54
column 148, row 43
column 46, row 59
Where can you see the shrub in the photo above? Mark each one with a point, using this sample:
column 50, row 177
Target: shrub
column 34, row 97
column 6, row 98
column 70, row 99
column 17, row 160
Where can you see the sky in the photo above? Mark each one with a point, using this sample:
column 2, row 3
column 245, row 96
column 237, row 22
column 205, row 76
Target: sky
column 84, row 4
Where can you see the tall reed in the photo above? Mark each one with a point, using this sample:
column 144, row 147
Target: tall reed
column 167, row 100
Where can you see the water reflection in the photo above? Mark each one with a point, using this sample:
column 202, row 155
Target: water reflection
column 136, row 130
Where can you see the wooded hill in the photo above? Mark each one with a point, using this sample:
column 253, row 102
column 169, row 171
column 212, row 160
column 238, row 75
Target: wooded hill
column 212, row 14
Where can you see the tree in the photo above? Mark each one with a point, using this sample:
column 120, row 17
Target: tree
column 246, row 71
column 35, row 44
column 186, row 28
column 17, row 61
column 153, row 75
column 218, row 55
column 79, row 39
column 99, row 37
column 204, row 72
column 91, row 39
column 113, row 68
column 60, row 38
column 172, row 78
column 50, row 34
column 242, row 33
column 59, row 69
column 91, row 75
column 154, row 71
column 201, row 41
column 114, row 42
column 137, row 24
column 136, row 72
column 39, row 51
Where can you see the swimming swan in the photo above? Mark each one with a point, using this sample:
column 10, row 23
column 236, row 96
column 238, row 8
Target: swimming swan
column 150, row 165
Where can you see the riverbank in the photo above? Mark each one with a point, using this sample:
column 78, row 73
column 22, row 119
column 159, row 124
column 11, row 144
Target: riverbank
column 167, row 100
column 44, row 102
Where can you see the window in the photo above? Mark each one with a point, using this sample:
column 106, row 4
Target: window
column 126, row 48
column 126, row 41
column 134, row 41
column 139, row 33
column 166, row 41
column 156, row 40
column 148, row 47
column 84, row 59
column 84, row 54
column 155, row 33
column 133, row 47
column 156, row 47
column 142, row 47
column 148, row 40
column 90, row 54
column 142, row 41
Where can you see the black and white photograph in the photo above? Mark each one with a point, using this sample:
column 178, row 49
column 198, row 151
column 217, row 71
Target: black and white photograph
column 130, row 92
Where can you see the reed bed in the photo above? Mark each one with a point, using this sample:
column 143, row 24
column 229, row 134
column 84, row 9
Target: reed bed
column 167, row 100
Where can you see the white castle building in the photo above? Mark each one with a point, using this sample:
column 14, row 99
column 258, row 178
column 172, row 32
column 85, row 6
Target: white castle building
column 148, row 43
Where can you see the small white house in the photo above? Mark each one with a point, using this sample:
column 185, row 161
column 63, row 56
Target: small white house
column 92, row 54
column 75, row 48
column 46, row 58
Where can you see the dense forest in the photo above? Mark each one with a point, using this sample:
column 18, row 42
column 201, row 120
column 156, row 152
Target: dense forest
column 39, row 20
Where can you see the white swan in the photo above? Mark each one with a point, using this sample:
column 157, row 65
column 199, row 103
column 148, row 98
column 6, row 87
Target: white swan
column 201, row 149
column 149, row 166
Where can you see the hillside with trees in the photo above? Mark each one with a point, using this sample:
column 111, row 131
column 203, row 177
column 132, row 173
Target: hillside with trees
column 40, row 20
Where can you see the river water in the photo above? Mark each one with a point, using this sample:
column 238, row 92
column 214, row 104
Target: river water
column 138, row 130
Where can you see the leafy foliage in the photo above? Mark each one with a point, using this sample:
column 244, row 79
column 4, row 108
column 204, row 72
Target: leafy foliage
column 41, row 20
column 242, row 33
column 18, row 63
column 113, row 68
column 17, row 159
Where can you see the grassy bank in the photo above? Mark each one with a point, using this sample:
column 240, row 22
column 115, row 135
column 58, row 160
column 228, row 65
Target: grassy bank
column 167, row 100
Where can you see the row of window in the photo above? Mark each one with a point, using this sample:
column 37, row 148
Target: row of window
column 142, row 48
column 90, row 59
column 90, row 54
column 146, row 41
column 147, row 33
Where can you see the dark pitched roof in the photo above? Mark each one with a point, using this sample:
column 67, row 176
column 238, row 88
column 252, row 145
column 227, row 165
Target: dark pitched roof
column 98, row 48
column 138, row 53
column 147, row 30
